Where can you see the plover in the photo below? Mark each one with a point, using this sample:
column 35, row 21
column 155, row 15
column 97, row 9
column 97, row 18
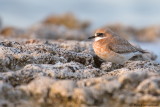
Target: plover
column 109, row 46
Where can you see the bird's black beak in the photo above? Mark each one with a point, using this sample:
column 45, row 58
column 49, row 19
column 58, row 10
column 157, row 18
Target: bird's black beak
column 91, row 37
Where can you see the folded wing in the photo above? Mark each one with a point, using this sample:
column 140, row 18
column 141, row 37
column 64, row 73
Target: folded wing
column 121, row 45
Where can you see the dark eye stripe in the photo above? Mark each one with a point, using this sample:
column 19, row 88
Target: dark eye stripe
column 99, row 34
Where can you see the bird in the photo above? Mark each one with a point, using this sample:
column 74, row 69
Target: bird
column 111, row 47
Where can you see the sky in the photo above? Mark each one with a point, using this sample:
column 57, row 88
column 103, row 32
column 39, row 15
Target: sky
column 139, row 13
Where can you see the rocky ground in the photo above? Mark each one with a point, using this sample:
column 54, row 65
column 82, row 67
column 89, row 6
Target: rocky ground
column 67, row 73
column 36, row 70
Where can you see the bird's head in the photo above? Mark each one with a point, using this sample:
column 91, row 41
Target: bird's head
column 101, row 34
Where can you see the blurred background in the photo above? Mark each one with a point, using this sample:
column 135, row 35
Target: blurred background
column 136, row 20
column 139, row 13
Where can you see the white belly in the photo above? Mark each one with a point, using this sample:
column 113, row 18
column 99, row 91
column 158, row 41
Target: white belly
column 121, row 58
column 130, row 55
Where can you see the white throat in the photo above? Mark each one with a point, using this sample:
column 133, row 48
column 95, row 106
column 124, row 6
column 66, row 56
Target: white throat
column 98, row 38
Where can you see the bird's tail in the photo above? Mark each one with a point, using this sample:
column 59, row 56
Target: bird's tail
column 147, row 55
column 142, row 50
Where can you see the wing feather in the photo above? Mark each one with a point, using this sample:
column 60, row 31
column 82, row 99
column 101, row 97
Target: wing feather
column 121, row 45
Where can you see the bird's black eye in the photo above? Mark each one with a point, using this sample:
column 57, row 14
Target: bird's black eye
column 99, row 34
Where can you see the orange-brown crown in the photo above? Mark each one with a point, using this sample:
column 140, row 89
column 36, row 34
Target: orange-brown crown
column 105, row 31
column 102, row 30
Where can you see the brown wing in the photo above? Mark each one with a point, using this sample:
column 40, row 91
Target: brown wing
column 120, row 45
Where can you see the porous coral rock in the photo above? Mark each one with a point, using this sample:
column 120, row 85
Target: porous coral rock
column 62, row 74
